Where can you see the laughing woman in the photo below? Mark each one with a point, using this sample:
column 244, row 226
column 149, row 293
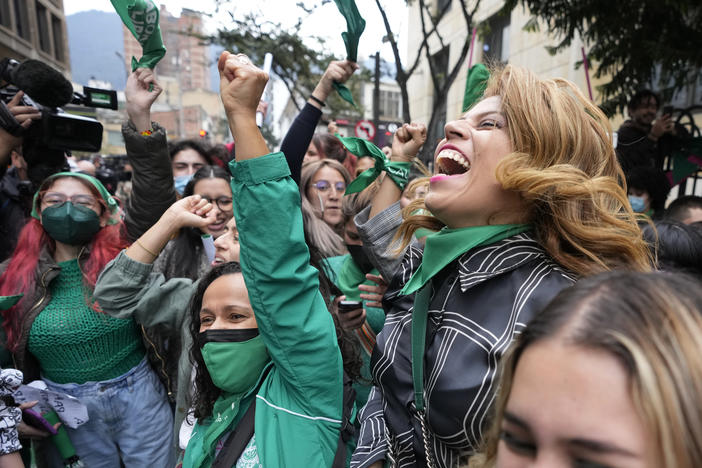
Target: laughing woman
column 526, row 199
column 269, row 374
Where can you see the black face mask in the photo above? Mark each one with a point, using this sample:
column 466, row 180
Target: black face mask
column 360, row 258
column 226, row 336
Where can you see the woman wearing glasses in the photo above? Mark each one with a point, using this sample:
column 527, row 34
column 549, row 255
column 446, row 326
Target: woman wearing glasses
column 57, row 332
column 322, row 186
column 184, row 256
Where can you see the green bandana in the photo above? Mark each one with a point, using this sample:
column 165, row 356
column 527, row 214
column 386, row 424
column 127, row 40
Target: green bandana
column 355, row 24
column 476, row 82
column 7, row 302
column 109, row 199
column 237, row 366
column 448, row 244
column 397, row 171
column 141, row 18
column 350, row 277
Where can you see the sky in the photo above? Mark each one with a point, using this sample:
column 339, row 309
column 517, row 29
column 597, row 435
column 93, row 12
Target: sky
column 326, row 21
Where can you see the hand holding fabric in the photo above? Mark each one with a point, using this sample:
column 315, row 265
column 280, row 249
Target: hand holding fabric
column 338, row 71
column 141, row 92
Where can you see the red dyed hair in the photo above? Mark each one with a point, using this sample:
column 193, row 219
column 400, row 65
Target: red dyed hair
column 21, row 273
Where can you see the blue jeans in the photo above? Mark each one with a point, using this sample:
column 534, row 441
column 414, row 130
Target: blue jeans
column 129, row 420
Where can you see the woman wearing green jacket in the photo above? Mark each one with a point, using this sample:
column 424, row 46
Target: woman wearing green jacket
column 265, row 337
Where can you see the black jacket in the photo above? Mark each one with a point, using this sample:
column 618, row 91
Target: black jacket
column 480, row 302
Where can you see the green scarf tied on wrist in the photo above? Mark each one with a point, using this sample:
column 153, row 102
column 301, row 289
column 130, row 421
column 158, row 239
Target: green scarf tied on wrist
column 397, row 171
column 141, row 18
column 448, row 244
column 355, row 24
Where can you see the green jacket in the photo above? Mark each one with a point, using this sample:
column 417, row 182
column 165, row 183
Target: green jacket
column 127, row 288
column 299, row 404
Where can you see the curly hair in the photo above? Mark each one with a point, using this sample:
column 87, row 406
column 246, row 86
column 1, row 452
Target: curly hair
column 564, row 167
column 206, row 392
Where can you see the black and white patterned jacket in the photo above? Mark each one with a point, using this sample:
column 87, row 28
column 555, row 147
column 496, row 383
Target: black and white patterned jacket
column 480, row 302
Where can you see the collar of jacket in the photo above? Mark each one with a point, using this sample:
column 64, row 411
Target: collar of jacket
column 484, row 263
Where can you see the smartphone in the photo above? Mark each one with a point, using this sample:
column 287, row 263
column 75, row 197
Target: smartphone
column 667, row 110
column 37, row 421
column 345, row 307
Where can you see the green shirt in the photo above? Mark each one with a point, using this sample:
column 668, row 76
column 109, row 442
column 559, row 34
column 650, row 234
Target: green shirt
column 76, row 344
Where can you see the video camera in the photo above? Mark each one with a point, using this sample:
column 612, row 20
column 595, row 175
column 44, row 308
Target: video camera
column 47, row 90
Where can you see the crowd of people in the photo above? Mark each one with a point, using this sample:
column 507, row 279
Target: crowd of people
column 530, row 302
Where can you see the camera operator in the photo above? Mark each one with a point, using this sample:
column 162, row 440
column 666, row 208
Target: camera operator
column 15, row 190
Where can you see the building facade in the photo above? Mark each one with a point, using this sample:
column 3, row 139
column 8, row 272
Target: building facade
column 500, row 38
column 35, row 29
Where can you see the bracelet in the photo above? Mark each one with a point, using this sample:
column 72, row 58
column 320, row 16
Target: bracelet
column 147, row 250
column 146, row 133
column 317, row 100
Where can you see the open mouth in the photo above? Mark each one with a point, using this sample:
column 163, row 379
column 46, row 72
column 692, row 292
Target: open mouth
column 450, row 162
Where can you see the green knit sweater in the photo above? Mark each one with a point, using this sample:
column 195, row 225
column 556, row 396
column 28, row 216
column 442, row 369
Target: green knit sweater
column 76, row 344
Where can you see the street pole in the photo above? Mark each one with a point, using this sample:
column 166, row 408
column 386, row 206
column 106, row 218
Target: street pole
column 376, row 97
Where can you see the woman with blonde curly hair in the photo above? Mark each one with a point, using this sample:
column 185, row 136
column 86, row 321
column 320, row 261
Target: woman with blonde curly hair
column 608, row 375
column 526, row 198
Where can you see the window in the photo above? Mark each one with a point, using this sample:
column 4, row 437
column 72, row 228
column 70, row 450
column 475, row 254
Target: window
column 43, row 26
column 390, row 105
column 57, row 29
column 5, row 18
column 496, row 39
column 22, row 19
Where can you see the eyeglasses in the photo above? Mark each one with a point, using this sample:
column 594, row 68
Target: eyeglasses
column 324, row 185
column 57, row 198
column 223, row 203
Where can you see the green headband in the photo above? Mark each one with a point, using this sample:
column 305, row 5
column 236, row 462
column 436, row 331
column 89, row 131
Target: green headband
column 109, row 199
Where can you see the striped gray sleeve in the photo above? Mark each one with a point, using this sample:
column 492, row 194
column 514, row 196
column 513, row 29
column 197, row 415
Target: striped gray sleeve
column 377, row 234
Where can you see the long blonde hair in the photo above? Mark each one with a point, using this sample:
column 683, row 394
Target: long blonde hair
column 565, row 168
column 319, row 233
column 652, row 324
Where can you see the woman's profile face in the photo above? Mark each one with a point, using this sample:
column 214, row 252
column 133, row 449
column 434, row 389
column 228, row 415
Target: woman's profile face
column 325, row 191
column 571, row 407
column 218, row 192
column 464, row 192
column 226, row 305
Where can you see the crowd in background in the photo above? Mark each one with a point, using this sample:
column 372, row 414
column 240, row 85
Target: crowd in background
column 534, row 300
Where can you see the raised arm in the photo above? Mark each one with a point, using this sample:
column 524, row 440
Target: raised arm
column 128, row 287
column 147, row 152
column 283, row 288
column 300, row 133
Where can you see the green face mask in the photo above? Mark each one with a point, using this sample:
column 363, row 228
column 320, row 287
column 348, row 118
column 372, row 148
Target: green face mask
column 70, row 224
column 235, row 366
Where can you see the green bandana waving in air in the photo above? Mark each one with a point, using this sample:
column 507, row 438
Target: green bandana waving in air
column 141, row 18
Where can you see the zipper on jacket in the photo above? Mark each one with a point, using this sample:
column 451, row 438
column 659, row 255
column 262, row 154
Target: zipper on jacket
column 43, row 285
column 163, row 363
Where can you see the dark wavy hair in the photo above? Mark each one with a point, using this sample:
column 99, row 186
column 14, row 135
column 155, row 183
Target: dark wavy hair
column 677, row 246
column 180, row 145
column 206, row 392
column 187, row 250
